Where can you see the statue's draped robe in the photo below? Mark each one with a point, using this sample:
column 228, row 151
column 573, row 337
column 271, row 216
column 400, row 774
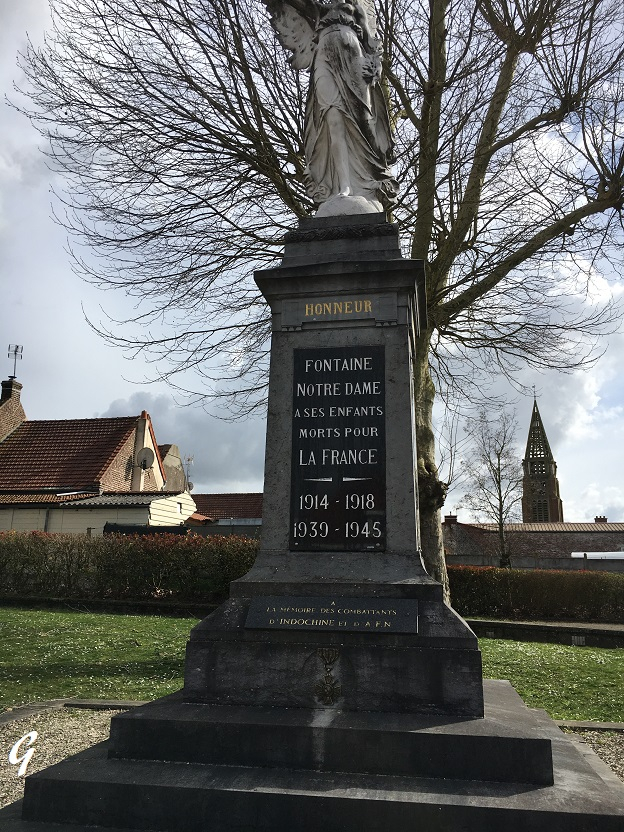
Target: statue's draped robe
column 337, row 82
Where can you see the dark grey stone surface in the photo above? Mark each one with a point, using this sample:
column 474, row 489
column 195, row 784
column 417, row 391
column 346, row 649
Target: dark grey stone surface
column 146, row 794
column 342, row 238
column 402, row 535
column 366, row 677
column 438, row 669
column 503, row 747
column 555, row 632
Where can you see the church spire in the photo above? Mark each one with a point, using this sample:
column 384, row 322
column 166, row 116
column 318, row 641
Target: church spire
column 537, row 443
column 541, row 502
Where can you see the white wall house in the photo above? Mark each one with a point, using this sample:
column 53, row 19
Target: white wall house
column 90, row 515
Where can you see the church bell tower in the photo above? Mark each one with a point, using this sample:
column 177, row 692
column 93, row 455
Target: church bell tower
column 541, row 502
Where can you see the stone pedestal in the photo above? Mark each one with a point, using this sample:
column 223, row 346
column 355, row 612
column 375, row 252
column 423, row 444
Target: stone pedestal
column 335, row 689
column 340, row 525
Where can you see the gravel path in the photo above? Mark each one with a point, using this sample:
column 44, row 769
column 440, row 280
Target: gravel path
column 67, row 731
column 608, row 745
column 61, row 733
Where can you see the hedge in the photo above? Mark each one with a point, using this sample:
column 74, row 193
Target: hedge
column 537, row 594
column 168, row 567
column 192, row 568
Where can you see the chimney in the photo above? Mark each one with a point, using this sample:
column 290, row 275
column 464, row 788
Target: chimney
column 11, row 411
column 140, row 442
column 600, row 519
column 11, row 389
column 450, row 519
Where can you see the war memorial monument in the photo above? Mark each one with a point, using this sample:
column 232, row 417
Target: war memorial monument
column 335, row 690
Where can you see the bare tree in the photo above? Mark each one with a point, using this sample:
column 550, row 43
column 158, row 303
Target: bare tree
column 492, row 471
column 178, row 126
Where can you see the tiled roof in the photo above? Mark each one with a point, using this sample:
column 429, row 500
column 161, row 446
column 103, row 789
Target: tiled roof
column 88, row 499
column 226, row 506
column 551, row 527
column 127, row 498
column 18, row 499
column 61, row 454
column 198, row 518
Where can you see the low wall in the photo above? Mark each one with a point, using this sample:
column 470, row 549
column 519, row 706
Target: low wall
column 588, row 635
column 539, row 562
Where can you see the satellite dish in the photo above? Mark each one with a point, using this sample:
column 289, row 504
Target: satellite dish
column 145, row 458
column 190, row 486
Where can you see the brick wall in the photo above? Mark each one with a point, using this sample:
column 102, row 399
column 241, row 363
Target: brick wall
column 11, row 411
column 119, row 474
column 474, row 546
column 149, row 480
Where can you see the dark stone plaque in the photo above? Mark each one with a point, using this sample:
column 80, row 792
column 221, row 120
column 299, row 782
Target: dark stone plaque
column 366, row 615
column 338, row 486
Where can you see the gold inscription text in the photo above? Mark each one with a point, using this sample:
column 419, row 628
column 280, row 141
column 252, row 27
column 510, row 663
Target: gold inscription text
column 338, row 307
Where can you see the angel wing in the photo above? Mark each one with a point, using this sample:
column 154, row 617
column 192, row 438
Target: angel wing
column 295, row 21
column 368, row 7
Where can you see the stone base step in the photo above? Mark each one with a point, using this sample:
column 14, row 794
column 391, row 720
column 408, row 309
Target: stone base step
column 505, row 746
column 90, row 789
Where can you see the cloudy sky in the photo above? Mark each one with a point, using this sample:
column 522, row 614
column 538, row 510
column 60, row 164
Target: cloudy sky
column 68, row 372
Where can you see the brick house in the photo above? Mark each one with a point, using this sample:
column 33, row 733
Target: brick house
column 74, row 475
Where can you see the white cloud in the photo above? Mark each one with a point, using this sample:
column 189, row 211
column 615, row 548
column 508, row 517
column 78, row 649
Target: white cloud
column 596, row 499
column 579, row 277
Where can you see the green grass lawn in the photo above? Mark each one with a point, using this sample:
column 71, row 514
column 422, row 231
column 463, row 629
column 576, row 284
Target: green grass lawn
column 59, row 655
column 568, row 682
column 55, row 655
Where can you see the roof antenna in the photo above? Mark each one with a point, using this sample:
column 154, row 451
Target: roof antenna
column 188, row 460
column 15, row 352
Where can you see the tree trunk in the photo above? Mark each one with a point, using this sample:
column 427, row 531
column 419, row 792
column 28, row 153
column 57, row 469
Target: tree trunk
column 431, row 492
column 504, row 560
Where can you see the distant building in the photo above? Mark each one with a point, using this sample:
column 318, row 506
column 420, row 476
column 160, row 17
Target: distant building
column 542, row 540
column 537, row 545
column 541, row 502
column 229, row 513
column 75, row 475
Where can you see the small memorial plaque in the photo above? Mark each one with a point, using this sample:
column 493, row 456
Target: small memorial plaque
column 364, row 615
column 338, row 485
column 381, row 308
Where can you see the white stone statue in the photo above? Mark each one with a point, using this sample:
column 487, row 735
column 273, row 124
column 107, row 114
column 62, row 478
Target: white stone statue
column 348, row 145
